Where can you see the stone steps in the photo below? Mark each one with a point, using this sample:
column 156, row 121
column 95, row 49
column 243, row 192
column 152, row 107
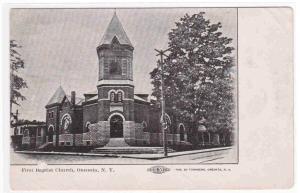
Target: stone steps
column 130, row 150
column 117, row 142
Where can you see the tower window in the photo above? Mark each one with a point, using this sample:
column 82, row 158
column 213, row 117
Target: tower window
column 120, row 97
column 106, row 66
column 124, row 65
column 112, row 97
column 115, row 68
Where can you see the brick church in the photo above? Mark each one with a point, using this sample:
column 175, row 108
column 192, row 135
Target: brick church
column 113, row 115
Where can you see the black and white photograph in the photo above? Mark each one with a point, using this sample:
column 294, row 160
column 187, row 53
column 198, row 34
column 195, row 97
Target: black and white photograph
column 123, row 86
column 153, row 96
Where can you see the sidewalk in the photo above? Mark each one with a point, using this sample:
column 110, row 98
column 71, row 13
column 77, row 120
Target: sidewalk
column 135, row 156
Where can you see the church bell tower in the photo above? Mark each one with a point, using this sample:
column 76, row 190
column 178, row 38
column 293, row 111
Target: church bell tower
column 115, row 79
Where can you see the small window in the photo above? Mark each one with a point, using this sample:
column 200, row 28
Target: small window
column 39, row 131
column 88, row 143
column 120, row 96
column 112, row 96
column 124, row 65
column 62, row 143
column 106, row 66
column 181, row 132
column 51, row 129
column 68, row 143
column 51, row 114
column 26, row 133
column 87, row 126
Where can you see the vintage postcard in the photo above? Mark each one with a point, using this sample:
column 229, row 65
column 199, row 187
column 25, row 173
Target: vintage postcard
column 150, row 98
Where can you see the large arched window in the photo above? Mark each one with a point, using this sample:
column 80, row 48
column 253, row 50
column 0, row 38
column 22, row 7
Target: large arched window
column 66, row 122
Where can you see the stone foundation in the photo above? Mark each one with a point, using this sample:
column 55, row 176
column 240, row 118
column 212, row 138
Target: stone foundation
column 98, row 135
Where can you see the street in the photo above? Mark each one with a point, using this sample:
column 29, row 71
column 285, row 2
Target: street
column 192, row 157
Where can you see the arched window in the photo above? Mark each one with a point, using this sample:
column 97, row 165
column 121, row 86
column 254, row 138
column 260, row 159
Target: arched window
column 87, row 126
column 66, row 122
column 51, row 129
column 112, row 97
column 181, row 132
column 120, row 96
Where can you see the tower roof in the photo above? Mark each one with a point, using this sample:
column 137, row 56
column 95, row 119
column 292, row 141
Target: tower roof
column 115, row 29
column 58, row 96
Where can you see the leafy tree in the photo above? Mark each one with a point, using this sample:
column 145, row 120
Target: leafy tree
column 198, row 80
column 16, row 82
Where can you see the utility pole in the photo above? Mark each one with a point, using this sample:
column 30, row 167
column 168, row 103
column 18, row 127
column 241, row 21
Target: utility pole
column 161, row 53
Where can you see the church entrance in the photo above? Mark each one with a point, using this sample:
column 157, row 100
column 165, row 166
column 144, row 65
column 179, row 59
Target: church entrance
column 116, row 127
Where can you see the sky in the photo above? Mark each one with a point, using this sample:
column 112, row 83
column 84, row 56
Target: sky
column 59, row 47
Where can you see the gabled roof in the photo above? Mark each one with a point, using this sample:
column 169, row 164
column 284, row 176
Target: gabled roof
column 115, row 30
column 58, row 96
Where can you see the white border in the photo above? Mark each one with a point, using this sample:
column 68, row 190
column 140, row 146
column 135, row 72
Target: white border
column 4, row 110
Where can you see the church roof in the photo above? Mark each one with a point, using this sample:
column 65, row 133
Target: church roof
column 93, row 98
column 115, row 29
column 139, row 98
column 58, row 96
column 78, row 100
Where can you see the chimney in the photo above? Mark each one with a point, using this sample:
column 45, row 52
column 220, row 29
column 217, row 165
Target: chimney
column 73, row 95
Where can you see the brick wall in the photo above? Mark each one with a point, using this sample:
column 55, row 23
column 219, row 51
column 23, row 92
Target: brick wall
column 141, row 113
column 52, row 120
column 90, row 114
column 104, row 103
